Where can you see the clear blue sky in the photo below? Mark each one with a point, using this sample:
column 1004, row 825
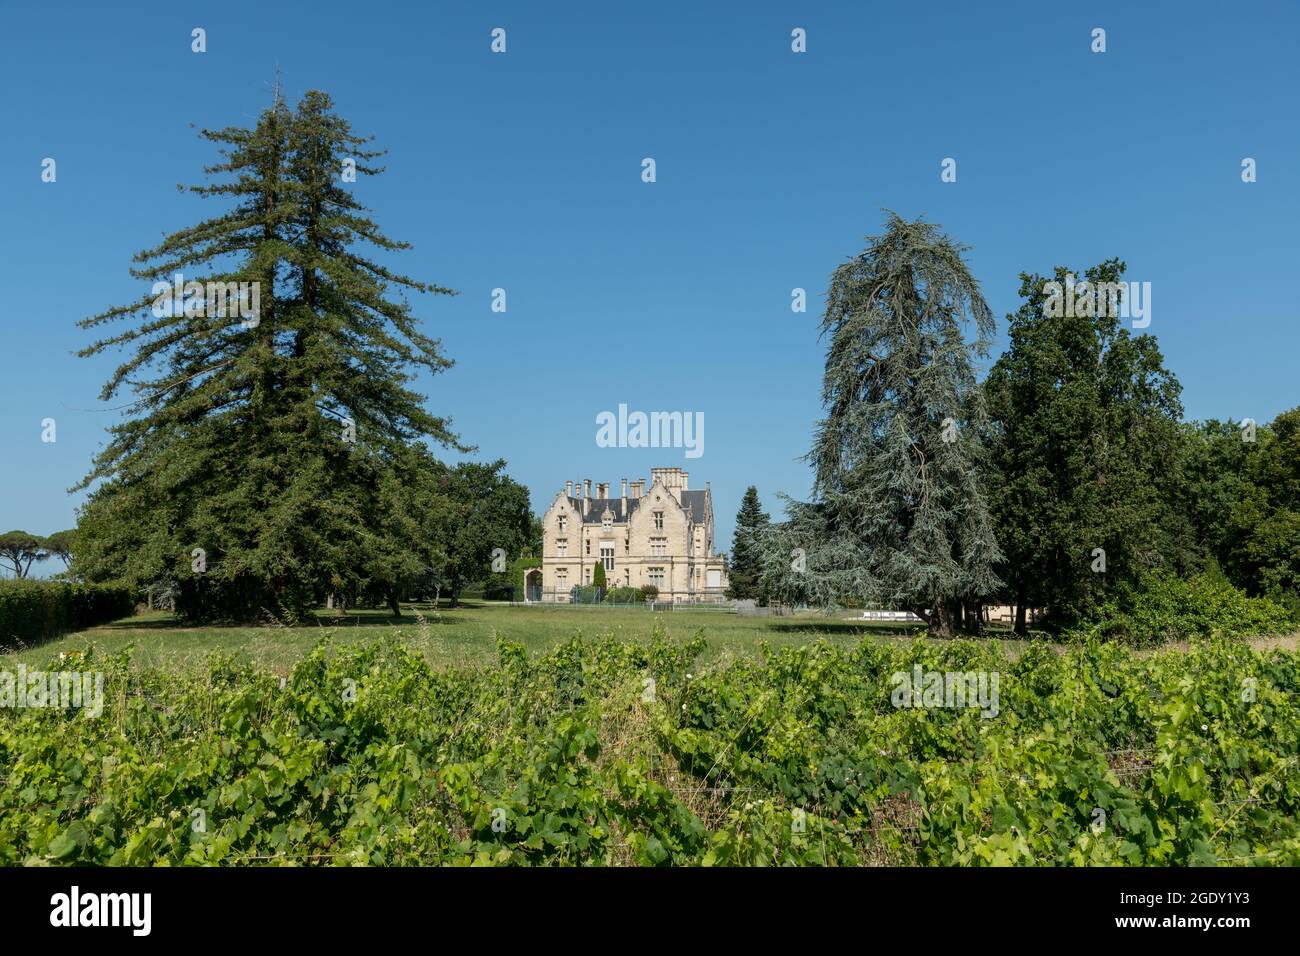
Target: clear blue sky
column 523, row 171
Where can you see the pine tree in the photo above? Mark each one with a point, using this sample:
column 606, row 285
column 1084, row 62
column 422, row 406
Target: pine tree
column 251, row 467
column 898, row 516
column 746, row 565
column 598, row 578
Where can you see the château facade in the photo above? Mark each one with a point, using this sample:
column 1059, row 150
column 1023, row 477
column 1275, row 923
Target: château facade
column 661, row 535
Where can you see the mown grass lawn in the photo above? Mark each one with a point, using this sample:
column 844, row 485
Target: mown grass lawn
column 464, row 636
column 467, row 635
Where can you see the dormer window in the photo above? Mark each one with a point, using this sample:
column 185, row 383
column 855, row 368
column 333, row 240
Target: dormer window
column 607, row 519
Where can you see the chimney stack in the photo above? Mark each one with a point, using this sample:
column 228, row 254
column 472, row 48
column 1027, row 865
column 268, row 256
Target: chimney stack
column 624, row 487
column 568, row 489
column 602, row 490
column 586, row 488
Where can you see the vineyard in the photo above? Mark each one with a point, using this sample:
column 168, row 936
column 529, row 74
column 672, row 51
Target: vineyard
column 605, row 752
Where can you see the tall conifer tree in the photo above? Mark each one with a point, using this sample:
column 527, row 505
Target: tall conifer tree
column 250, row 467
column 898, row 516
column 746, row 565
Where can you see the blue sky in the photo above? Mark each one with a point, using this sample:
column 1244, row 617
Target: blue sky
column 523, row 171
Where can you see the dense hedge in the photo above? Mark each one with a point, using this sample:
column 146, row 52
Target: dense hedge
column 31, row 611
column 614, row 753
column 1165, row 607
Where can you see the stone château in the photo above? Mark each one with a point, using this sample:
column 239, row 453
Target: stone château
column 661, row 535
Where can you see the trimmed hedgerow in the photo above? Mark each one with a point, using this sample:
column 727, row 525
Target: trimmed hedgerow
column 32, row 611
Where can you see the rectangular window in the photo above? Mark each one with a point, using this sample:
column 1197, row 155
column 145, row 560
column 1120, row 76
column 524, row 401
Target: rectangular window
column 587, row 546
column 562, row 547
column 656, row 576
column 658, row 547
column 564, row 521
column 607, row 555
column 659, row 520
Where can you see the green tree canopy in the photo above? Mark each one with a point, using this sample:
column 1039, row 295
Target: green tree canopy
column 1086, row 453
column 745, row 568
column 485, row 510
column 1215, row 480
column 1263, row 534
column 898, row 516
column 20, row 550
column 60, row 545
column 258, row 453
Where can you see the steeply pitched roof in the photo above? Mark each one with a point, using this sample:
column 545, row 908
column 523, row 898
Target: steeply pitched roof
column 696, row 501
column 598, row 506
column 693, row 502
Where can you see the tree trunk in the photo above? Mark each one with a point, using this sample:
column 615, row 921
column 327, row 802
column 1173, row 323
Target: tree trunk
column 942, row 617
column 1020, row 613
column 393, row 605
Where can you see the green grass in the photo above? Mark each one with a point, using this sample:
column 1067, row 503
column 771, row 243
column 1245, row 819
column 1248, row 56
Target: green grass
column 465, row 636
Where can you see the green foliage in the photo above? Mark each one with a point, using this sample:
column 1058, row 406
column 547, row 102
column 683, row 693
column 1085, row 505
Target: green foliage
column 1162, row 607
column 276, row 443
column 1263, row 536
column 483, row 509
column 510, row 585
column 612, row 753
column 745, row 568
column 598, row 576
column 649, row 592
column 21, row 549
column 1215, row 481
column 1086, row 453
column 585, row 594
column 624, row 596
column 898, row 516
column 32, row 611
